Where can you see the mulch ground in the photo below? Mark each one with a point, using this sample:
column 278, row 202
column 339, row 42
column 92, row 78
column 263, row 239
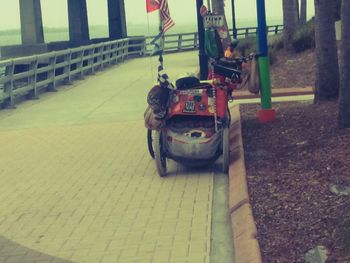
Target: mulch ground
column 291, row 164
column 293, row 70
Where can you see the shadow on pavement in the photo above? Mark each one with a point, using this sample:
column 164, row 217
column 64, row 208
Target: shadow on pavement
column 13, row 252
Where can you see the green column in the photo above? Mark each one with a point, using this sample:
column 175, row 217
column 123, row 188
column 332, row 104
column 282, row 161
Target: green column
column 265, row 82
column 266, row 114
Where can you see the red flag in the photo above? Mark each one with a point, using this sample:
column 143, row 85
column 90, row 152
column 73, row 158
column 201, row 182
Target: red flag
column 152, row 5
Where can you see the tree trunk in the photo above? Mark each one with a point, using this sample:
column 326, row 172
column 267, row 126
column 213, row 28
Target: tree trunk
column 297, row 10
column 303, row 12
column 290, row 23
column 218, row 7
column 344, row 97
column 327, row 68
column 337, row 10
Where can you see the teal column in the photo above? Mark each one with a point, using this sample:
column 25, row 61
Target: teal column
column 116, row 19
column 267, row 114
column 31, row 22
column 78, row 22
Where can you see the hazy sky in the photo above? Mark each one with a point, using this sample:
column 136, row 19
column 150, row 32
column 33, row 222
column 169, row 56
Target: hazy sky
column 183, row 11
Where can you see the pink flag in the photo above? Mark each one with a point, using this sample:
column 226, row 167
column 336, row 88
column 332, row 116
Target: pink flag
column 152, row 5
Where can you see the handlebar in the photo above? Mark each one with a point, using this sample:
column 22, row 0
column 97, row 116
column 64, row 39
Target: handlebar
column 231, row 68
column 239, row 60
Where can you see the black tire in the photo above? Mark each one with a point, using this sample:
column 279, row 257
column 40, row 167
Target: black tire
column 229, row 116
column 150, row 143
column 159, row 155
column 225, row 149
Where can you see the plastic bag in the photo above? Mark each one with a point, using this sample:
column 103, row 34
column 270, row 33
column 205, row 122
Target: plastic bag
column 254, row 79
column 150, row 119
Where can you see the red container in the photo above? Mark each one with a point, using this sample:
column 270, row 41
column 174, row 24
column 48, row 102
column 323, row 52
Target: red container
column 197, row 102
column 221, row 102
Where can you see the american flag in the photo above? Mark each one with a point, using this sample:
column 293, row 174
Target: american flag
column 162, row 5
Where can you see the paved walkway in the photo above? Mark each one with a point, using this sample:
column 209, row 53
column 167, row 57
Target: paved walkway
column 77, row 183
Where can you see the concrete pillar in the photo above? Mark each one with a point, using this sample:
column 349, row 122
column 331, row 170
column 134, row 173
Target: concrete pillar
column 78, row 21
column 116, row 19
column 31, row 22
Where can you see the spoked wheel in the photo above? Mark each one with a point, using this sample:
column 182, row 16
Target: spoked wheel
column 150, row 143
column 225, row 150
column 159, row 154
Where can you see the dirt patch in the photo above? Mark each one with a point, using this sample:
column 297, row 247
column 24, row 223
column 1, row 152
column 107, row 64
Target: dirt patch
column 293, row 70
column 291, row 165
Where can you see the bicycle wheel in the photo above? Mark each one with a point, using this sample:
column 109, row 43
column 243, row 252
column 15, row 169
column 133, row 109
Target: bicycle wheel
column 150, row 143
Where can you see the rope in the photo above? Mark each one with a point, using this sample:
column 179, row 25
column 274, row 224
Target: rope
column 150, row 58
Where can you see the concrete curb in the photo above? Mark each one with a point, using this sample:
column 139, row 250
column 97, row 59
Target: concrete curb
column 281, row 92
column 246, row 245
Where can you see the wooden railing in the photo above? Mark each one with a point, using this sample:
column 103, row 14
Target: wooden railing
column 27, row 76
column 189, row 41
column 253, row 31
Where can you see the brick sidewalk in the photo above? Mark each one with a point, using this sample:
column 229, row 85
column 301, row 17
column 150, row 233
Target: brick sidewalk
column 90, row 193
column 78, row 184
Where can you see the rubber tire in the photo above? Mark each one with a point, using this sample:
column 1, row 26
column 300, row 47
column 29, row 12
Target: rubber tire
column 225, row 149
column 159, row 155
column 150, row 143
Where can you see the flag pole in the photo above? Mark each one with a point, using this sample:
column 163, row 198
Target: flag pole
column 160, row 67
column 165, row 23
column 209, row 5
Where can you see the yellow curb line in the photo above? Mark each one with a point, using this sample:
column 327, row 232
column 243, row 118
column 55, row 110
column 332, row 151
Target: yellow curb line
column 246, row 245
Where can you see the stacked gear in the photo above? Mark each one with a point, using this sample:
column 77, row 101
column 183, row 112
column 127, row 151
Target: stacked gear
column 158, row 100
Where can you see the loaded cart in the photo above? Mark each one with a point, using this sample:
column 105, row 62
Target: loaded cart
column 193, row 128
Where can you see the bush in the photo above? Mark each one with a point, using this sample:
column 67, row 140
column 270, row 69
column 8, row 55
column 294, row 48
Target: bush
column 273, row 56
column 247, row 46
column 304, row 38
column 276, row 43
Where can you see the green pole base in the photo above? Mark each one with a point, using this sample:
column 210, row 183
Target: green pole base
column 265, row 82
column 266, row 115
